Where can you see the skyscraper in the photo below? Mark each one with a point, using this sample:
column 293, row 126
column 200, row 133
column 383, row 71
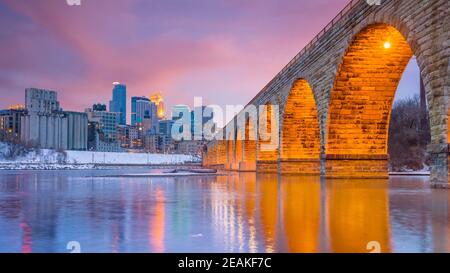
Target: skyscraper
column 158, row 100
column 139, row 105
column 142, row 109
column 118, row 104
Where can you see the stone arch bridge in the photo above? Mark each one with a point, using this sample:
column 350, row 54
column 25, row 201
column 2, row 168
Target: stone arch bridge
column 334, row 98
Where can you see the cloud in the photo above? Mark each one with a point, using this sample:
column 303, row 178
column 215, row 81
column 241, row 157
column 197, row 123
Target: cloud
column 225, row 51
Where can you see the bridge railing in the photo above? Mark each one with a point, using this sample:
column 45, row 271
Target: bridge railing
column 316, row 38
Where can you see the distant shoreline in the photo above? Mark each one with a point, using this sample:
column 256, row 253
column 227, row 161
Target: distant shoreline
column 56, row 167
column 21, row 166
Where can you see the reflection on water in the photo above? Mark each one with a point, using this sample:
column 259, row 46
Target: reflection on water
column 301, row 214
column 43, row 211
column 358, row 213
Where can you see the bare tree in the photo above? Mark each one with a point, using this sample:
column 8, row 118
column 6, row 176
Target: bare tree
column 409, row 135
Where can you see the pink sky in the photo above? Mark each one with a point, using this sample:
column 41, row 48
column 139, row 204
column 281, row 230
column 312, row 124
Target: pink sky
column 222, row 50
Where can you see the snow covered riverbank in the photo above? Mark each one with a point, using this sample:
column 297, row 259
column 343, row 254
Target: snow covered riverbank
column 37, row 159
column 45, row 167
column 77, row 157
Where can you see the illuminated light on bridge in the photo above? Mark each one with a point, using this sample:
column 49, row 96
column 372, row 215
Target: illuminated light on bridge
column 300, row 134
column 239, row 149
column 353, row 68
column 249, row 150
column 229, row 164
column 222, row 157
column 361, row 103
column 267, row 159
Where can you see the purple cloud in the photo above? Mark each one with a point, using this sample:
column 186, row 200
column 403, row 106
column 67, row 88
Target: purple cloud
column 223, row 50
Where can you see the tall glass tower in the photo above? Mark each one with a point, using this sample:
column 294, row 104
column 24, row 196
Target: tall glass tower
column 139, row 105
column 118, row 104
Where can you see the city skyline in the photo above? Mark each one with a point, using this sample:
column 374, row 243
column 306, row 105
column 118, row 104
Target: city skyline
column 171, row 49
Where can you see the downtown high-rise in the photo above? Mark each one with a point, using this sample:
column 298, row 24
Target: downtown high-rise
column 118, row 104
column 139, row 106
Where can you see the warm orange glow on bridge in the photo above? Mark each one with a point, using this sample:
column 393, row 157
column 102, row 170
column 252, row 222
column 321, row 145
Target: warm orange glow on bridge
column 361, row 102
column 300, row 132
column 267, row 158
column 338, row 126
column 249, row 142
column 363, row 93
column 239, row 149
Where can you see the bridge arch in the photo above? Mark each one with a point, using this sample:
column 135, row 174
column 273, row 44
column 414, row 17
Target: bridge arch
column 211, row 155
column 300, row 133
column 214, row 154
column 249, row 143
column 230, row 153
column 268, row 148
column 361, row 102
column 238, row 148
column 222, row 159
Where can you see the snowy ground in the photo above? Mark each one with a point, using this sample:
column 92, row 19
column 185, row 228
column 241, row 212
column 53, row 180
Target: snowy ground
column 412, row 173
column 44, row 166
column 76, row 157
column 49, row 159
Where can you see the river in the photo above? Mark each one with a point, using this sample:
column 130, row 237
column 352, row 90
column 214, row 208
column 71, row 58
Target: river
column 44, row 211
